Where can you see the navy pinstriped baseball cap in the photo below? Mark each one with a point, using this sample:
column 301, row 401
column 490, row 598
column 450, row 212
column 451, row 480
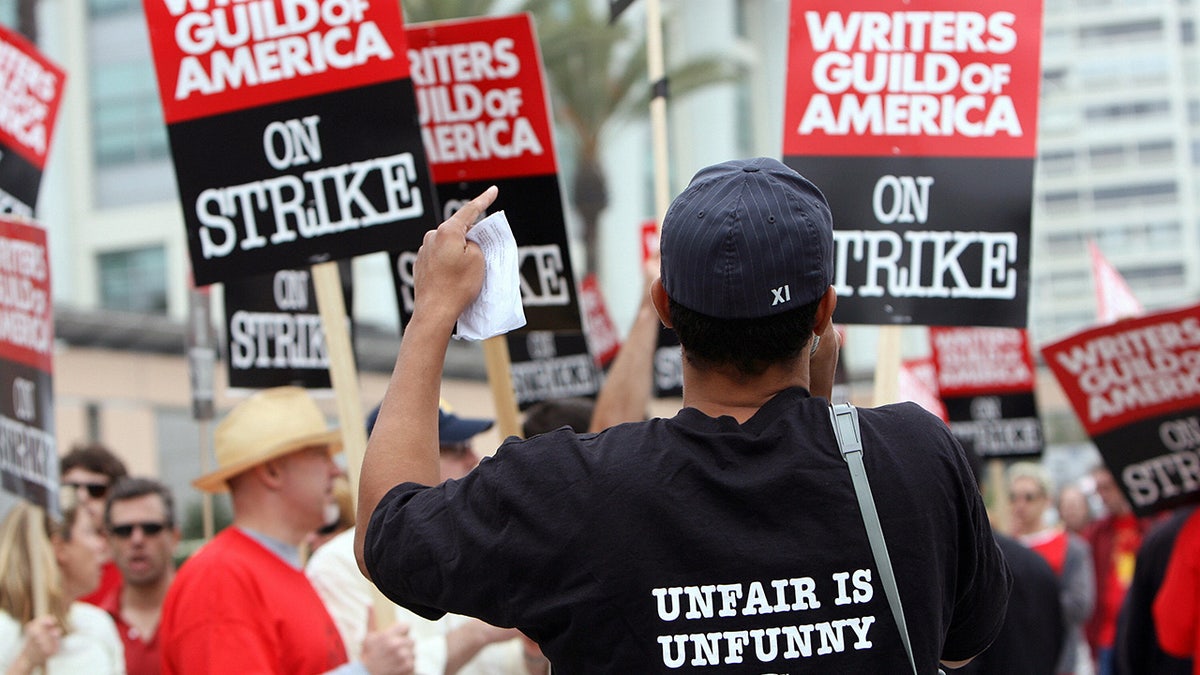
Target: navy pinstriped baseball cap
column 748, row 238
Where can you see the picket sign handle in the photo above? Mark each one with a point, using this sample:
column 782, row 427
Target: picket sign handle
column 343, row 375
column 887, row 366
column 499, row 372
column 37, row 575
column 656, row 71
column 206, row 498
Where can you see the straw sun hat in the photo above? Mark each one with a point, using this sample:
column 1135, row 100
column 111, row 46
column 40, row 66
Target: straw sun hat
column 269, row 424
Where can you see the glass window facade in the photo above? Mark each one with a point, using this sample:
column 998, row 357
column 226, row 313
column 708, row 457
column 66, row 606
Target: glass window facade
column 134, row 280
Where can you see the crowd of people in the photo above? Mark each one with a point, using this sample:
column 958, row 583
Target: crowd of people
column 726, row 538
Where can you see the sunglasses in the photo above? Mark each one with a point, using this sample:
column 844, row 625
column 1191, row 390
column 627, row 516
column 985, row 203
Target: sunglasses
column 126, row 531
column 94, row 490
column 1024, row 496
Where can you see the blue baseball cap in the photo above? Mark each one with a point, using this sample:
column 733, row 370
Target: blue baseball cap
column 746, row 239
column 452, row 429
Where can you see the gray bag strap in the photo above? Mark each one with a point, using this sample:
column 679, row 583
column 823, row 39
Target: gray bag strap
column 849, row 437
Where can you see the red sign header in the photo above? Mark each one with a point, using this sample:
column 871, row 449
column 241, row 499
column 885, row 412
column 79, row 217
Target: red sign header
column 217, row 57
column 26, row 313
column 942, row 78
column 981, row 361
column 1132, row 370
column 481, row 98
column 30, row 89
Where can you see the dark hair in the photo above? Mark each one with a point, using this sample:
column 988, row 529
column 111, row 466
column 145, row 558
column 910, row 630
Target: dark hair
column 574, row 412
column 94, row 457
column 134, row 487
column 749, row 345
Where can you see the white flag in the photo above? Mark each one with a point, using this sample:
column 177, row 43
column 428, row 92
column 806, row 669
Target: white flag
column 1114, row 300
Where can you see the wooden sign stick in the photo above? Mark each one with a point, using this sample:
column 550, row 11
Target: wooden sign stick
column 499, row 371
column 343, row 375
column 887, row 366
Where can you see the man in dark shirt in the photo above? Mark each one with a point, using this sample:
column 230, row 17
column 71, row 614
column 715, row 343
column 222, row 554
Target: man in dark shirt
column 727, row 537
column 1137, row 649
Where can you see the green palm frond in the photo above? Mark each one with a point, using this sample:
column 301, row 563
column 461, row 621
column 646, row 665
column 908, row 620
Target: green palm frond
column 416, row 11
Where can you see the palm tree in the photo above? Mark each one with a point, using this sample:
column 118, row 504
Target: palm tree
column 594, row 79
column 435, row 10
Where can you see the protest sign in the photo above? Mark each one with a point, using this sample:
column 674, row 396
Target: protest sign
column 1135, row 386
column 919, row 125
column 986, row 380
column 549, row 365
column 28, row 453
column 275, row 333
column 485, row 120
column 918, row 383
column 31, row 87
column 602, row 338
column 292, row 126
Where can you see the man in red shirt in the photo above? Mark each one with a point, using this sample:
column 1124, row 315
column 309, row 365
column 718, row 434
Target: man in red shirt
column 242, row 604
column 139, row 519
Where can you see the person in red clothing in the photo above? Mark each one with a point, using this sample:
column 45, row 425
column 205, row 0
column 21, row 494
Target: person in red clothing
column 89, row 471
column 139, row 519
column 1177, row 604
column 242, row 604
column 1115, row 540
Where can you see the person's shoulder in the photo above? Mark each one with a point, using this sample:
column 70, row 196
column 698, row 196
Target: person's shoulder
column 1022, row 557
column 905, row 420
column 334, row 554
column 1190, row 529
column 1077, row 541
column 226, row 558
column 86, row 617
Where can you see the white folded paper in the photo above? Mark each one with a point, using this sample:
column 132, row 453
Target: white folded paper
column 498, row 308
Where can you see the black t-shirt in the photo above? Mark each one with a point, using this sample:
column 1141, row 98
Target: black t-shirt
column 1033, row 634
column 702, row 545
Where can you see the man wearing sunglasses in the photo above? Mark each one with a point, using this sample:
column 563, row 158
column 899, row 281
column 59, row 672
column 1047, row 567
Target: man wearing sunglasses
column 88, row 471
column 139, row 518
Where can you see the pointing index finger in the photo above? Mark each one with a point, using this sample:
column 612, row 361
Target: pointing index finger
column 473, row 211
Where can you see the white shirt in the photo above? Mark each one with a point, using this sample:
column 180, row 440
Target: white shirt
column 92, row 646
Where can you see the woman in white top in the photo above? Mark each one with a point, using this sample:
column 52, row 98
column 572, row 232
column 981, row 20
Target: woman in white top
column 72, row 637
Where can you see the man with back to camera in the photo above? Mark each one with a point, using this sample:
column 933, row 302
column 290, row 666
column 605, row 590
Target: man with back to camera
column 727, row 537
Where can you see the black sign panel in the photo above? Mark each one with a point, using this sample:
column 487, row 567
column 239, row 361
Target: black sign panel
column 275, row 333
column 19, row 181
column 928, row 241
column 549, row 365
column 297, row 183
column 1155, row 461
column 997, row 425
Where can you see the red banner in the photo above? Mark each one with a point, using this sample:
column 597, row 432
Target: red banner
column 973, row 361
column 219, row 57
column 918, row 383
column 1130, row 371
column 26, row 314
column 602, row 337
column 30, row 90
column 481, row 98
column 942, row 78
